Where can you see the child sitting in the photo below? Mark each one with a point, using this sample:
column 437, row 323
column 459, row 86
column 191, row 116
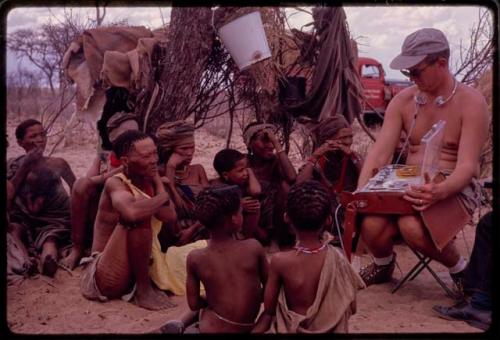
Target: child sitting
column 311, row 288
column 232, row 167
column 233, row 272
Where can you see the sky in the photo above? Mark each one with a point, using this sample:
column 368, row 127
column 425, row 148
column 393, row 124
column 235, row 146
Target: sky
column 379, row 30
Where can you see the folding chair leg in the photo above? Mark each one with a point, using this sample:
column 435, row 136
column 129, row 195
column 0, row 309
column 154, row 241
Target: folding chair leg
column 409, row 276
column 423, row 262
column 448, row 291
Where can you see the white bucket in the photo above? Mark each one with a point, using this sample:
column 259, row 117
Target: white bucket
column 245, row 40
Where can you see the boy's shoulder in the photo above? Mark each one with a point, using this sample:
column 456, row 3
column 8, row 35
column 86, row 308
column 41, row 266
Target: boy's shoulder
column 196, row 255
column 283, row 258
column 251, row 244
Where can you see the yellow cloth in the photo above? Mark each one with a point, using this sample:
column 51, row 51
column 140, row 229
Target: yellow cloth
column 167, row 270
column 335, row 300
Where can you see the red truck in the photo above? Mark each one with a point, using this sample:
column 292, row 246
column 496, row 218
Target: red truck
column 377, row 89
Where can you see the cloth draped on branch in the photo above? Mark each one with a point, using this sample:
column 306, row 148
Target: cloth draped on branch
column 336, row 87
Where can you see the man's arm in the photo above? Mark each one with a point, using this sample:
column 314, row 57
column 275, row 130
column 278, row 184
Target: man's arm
column 195, row 301
column 94, row 168
column 130, row 209
column 381, row 151
column 270, row 299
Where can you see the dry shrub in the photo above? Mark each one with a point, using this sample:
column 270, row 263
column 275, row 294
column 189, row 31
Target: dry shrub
column 485, row 86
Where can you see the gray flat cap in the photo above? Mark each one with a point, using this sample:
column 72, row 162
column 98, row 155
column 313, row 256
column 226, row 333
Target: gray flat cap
column 417, row 46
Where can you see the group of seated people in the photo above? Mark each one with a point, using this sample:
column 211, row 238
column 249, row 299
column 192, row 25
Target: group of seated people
column 143, row 207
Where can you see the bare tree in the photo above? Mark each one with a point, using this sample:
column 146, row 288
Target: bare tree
column 35, row 45
column 476, row 56
column 23, row 91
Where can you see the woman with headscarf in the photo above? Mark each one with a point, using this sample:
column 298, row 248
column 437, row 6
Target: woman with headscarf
column 275, row 173
column 332, row 162
column 176, row 147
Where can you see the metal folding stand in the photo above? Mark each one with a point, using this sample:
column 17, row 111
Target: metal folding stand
column 423, row 262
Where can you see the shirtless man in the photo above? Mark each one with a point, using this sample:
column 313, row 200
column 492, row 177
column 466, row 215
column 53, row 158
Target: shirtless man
column 435, row 96
column 233, row 272
column 121, row 246
column 87, row 190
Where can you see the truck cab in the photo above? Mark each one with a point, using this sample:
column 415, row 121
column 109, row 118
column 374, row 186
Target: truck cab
column 378, row 90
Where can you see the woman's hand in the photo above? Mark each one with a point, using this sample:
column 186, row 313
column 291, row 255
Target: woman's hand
column 175, row 160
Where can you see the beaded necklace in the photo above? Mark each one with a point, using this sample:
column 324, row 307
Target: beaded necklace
column 306, row 250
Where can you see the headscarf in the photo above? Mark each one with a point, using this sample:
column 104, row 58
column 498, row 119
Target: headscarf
column 327, row 128
column 251, row 131
column 117, row 120
column 172, row 134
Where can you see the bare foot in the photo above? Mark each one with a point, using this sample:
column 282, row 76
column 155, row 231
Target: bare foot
column 152, row 300
column 28, row 268
column 49, row 266
column 71, row 261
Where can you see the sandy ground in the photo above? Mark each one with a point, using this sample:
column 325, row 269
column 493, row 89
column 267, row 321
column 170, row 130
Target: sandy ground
column 43, row 305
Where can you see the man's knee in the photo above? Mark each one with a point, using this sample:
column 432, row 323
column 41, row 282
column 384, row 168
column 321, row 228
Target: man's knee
column 412, row 230
column 374, row 225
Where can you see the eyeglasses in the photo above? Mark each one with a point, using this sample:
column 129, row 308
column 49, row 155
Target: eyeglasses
column 415, row 73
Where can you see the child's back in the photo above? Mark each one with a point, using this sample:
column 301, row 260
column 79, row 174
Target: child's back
column 231, row 274
column 311, row 289
column 300, row 274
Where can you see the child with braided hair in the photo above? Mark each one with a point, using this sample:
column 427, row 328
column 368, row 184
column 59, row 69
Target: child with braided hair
column 226, row 265
column 311, row 288
column 233, row 169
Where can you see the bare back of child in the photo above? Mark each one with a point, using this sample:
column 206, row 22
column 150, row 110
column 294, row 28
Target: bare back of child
column 299, row 270
column 311, row 288
column 233, row 272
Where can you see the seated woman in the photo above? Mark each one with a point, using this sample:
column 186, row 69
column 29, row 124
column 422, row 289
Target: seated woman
column 176, row 147
column 332, row 162
column 39, row 219
column 275, row 173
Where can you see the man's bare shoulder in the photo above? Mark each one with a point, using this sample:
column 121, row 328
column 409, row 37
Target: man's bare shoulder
column 470, row 97
column 114, row 184
column 406, row 95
